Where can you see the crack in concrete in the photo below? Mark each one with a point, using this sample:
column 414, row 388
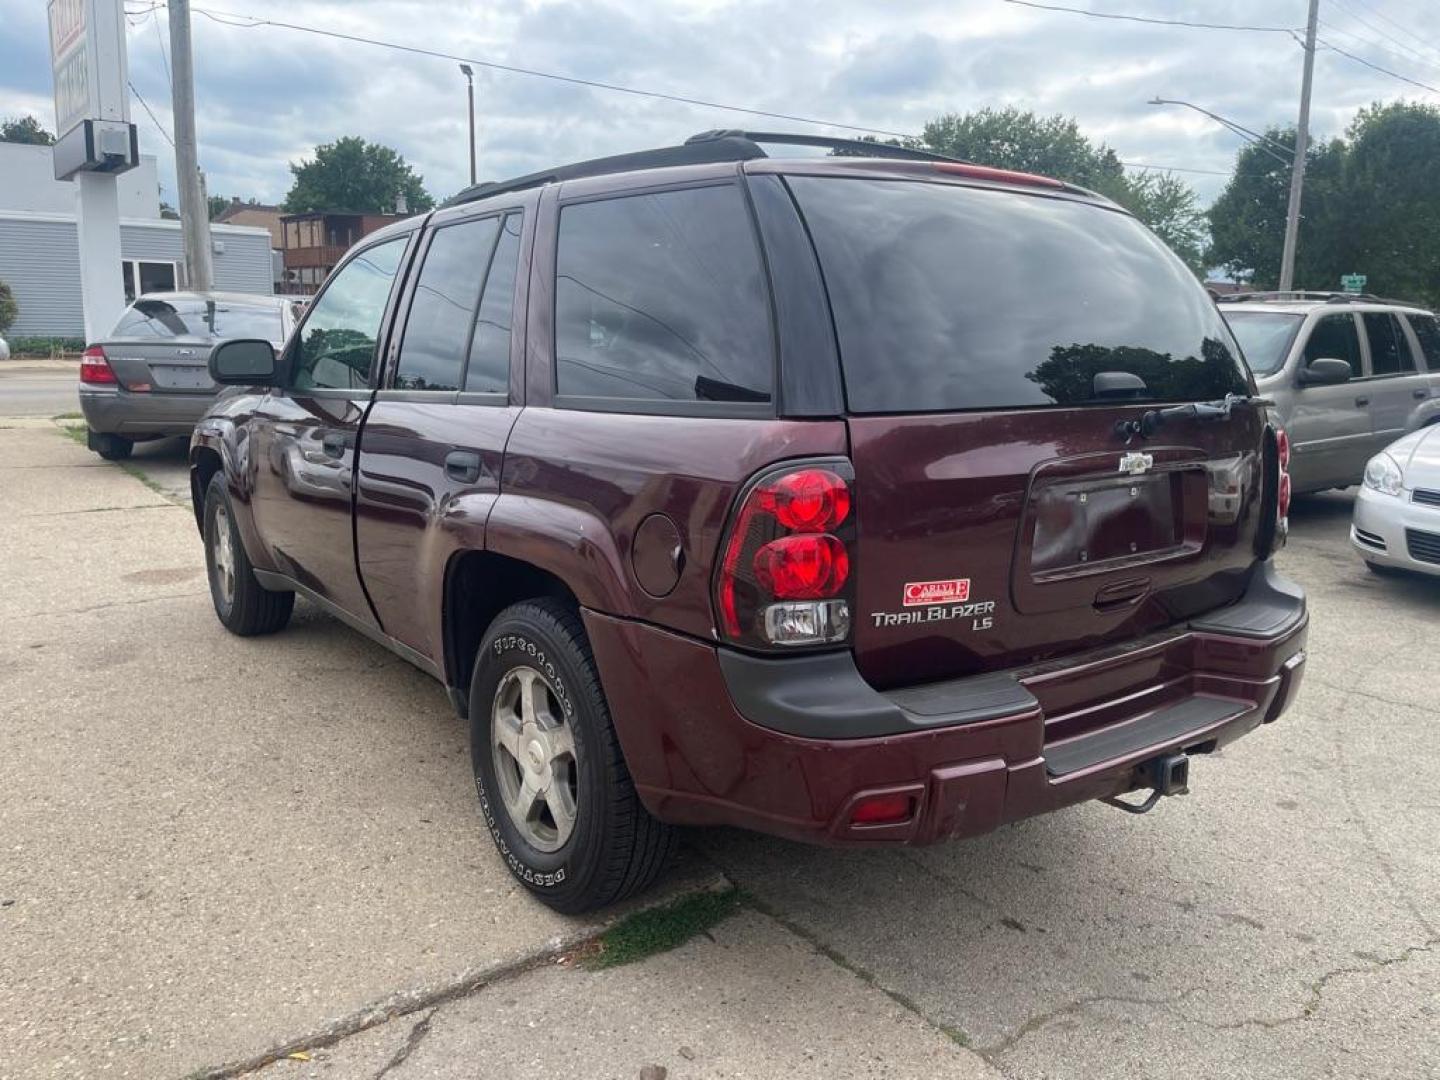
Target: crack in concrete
column 1350, row 690
column 1035, row 1023
column 114, row 604
column 417, row 1036
column 102, row 510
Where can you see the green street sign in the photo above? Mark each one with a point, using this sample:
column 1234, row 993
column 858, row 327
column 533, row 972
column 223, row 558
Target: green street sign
column 1353, row 283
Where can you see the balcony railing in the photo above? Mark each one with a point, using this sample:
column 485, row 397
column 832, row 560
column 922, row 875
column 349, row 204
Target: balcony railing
column 324, row 255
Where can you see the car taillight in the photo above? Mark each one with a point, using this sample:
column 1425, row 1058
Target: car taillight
column 786, row 573
column 1282, row 453
column 95, row 369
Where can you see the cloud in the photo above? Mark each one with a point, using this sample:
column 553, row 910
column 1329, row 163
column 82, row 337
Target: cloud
column 267, row 95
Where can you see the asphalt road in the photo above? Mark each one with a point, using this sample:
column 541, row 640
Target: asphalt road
column 38, row 388
column 212, row 848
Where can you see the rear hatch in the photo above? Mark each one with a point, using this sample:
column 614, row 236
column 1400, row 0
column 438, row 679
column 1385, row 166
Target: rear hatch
column 162, row 343
column 991, row 340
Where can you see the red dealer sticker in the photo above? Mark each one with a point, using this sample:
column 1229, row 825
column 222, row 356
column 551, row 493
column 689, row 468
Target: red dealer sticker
column 917, row 593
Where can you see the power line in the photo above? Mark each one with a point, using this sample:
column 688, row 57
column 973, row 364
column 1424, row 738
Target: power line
column 1404, row 47
column 1403, row 29
column 1371, row 43
column 1173, row 168
column 144, row 105
column 1153, row 21
column 1377, row 67
column 223, row 17
column 160, row 43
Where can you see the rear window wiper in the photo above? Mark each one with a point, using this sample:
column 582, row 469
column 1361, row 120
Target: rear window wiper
column 1152, row 420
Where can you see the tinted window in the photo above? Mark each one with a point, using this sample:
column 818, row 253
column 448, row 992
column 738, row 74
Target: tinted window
column 1264, row 337
column 1389, row 348
column 662, row 297
column 1334, row 338
column 489, row 367
column 337, row 343
column 1427, row 329
column 200, row 318
column 443, row 308
column 958, row 298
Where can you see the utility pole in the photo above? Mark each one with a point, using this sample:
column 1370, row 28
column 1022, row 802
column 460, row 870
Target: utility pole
column 194, row 210
column 469, row 74
column 1302, row 144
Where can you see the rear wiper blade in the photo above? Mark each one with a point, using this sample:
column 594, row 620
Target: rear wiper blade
column 1152, row 420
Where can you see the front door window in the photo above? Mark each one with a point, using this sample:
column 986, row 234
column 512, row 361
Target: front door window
column 335, row 349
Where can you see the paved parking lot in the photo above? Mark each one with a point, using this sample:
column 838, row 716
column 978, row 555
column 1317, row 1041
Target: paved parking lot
column 212, row 848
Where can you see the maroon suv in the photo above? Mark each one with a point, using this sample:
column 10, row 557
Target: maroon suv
column 856, row 499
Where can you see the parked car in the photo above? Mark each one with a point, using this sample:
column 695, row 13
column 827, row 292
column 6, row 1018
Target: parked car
column 148, row 378
column 1397, row 513
column 860, row 500
column 1349, row 375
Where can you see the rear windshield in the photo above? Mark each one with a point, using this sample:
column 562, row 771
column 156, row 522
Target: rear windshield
column 1264, row 337
column 200, row 318
column 948, row 297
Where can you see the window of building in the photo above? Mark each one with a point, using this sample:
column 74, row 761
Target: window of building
column 146, row 277
column 662, row 297
column 335, row 348
column 442, row 311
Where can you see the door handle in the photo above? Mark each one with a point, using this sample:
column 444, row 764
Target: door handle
column 463, row 465
column 1419, row 395
column 1361, row 402
column 334, row 443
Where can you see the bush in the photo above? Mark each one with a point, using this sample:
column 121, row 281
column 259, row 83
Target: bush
column 45, row 346
column 9, row 310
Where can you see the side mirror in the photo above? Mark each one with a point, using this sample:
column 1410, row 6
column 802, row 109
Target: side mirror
column 1325, row 372
column 243, row 362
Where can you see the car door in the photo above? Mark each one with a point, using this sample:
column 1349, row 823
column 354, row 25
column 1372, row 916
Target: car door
column 1425, row 333
column 1329, row 426
column 433, row 444
column 1396, row 383
column 305, row 431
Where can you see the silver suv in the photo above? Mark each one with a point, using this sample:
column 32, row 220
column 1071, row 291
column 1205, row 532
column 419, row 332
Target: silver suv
column 1350, row 374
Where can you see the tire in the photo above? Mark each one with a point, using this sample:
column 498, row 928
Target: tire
column 612, row 848
column 111, row 447
column 242, row 604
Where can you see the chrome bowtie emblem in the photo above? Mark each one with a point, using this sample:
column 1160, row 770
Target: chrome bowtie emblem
column 1136, row 462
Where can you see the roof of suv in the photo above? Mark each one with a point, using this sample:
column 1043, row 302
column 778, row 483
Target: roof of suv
column 721, row 146
column 1302, row 303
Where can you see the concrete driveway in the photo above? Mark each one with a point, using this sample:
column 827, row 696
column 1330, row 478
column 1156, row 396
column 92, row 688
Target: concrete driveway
column 212, row 850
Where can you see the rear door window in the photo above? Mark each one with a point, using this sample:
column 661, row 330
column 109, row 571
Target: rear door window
column 1427, row 330
column 488, row 370
column 1334, row 338
column 432, row 355
column 1389, row 348
column 948, row 297
column 662, row 297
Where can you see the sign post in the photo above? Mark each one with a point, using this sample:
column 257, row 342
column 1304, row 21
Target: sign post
column 1353, row 283
column 95, row 141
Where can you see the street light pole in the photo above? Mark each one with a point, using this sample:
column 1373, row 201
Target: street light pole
column 1302, row 142
column 469, row 74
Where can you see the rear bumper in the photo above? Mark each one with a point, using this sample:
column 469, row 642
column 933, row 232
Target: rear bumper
column 704, row 748
column 119, row 412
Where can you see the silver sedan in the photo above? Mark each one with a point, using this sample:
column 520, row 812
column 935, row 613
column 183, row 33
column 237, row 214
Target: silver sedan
column 1397, row 514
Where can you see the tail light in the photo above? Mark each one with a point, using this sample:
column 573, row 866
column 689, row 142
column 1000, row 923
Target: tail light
column 1282, row 452
column 95, row 370
column 786, row 576
column 1275, row 502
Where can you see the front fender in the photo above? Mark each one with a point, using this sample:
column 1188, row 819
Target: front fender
column 227, row 438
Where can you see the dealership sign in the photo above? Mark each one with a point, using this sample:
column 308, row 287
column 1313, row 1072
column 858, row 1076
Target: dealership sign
column 87, row 57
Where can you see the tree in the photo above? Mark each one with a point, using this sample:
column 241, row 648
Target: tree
column 1054, row 146
column 9, row 309
column 352, row 174
column 1247, row 221
column 1391, row 202
column 25, row 129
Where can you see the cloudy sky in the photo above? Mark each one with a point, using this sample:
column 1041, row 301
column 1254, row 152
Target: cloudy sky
column 267, row 94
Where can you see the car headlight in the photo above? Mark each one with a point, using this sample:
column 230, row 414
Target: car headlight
column 1382, row 474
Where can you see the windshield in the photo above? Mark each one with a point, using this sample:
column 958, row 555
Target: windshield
column 1264, row 337
column 947, row 297
column 200, row 318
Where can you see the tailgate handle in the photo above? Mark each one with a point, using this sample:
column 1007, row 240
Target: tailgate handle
column 1122, row 594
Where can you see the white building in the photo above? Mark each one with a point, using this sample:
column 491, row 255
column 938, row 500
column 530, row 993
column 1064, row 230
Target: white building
column 40, row 255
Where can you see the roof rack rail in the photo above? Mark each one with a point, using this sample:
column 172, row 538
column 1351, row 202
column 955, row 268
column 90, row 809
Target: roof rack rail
column 705, row 148
column 1313, row 294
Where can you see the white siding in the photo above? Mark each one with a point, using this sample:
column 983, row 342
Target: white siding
column 30, row 184
column 39, row 259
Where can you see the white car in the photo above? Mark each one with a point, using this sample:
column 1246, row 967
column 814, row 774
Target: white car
column 1397, row 514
